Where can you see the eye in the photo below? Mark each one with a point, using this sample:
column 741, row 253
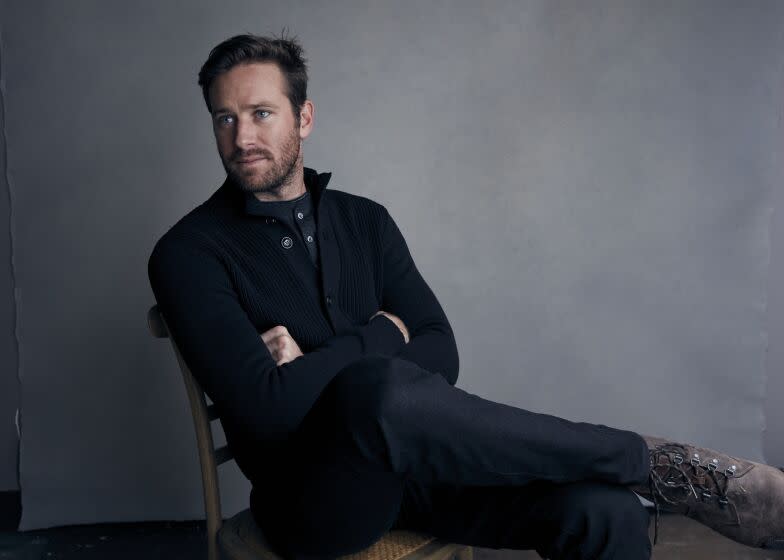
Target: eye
column 259, row 113
column 224, row 120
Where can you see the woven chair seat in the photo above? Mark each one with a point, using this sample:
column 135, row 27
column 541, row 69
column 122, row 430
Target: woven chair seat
column 241, row 538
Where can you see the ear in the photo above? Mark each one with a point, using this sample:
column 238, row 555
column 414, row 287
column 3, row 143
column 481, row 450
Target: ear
column 306, row 119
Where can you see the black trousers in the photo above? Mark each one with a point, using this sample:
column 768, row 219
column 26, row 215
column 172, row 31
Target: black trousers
column 390, row 445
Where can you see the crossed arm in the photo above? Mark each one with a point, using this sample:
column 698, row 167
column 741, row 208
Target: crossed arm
column 283, row 348
column 268, row 385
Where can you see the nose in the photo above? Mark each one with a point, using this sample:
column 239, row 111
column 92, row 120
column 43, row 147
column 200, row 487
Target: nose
column 244, row 135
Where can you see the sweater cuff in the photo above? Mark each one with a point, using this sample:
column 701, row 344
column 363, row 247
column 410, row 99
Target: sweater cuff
column 381, row 336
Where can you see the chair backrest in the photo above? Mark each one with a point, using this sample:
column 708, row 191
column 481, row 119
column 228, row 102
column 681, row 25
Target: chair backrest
column 209, row 457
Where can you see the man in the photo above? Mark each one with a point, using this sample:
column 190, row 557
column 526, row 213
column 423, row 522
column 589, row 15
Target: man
column 343, row 412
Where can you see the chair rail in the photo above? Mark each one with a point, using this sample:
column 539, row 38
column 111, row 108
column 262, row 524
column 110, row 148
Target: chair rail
column 209, row 458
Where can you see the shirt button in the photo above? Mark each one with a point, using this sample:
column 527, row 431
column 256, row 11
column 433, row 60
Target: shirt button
column 310, row 239
column 300, row 215
column 286, row 242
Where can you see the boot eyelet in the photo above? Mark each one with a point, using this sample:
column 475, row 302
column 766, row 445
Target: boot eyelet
column 730, row 471
column 706, row 496
column 695, row 460
column 677, row 459
column 723, row 502
column 713, row 465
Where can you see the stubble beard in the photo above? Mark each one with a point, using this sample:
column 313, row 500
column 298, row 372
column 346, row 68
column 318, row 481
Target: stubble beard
column 275, row 177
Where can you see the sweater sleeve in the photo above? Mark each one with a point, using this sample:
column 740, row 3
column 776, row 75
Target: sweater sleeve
column 406, row 294
column 225, row 353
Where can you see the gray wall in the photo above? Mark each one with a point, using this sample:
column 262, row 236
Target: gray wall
column 587, row 187
column 773, row 412
column 9, row 380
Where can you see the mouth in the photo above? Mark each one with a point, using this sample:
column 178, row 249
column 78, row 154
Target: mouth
column 249, row 161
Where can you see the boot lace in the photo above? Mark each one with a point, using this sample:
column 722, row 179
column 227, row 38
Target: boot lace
column 674, row 480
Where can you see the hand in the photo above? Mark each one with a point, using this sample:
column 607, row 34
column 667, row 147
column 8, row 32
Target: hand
column 281, row 345
column 398, row 322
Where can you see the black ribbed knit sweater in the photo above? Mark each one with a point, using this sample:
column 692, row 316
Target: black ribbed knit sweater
column 221, row 276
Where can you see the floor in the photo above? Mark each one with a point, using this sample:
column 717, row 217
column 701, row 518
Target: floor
column 679, row 538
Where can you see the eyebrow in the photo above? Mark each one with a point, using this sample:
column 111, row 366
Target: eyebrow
column 264, row 104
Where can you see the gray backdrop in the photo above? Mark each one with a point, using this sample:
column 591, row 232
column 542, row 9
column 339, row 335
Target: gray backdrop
column 9, row 379
column 587, row 187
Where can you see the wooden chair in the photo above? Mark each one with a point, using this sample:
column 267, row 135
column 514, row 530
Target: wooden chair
column 239, row 537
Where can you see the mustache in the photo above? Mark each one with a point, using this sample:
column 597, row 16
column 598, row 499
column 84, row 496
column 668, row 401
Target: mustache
column 245, row 154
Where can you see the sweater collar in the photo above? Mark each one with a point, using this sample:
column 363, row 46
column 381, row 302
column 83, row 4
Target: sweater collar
column 315, row 183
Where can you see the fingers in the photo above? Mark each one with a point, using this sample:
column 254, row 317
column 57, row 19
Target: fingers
column 274, row 332
column 281, row 345
column 286, row 350
column 277, row 348
column 274, row 339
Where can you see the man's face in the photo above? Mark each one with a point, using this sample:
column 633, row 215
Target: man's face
column 257, row 135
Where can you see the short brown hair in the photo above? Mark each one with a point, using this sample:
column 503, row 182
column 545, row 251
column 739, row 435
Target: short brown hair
column 244, row 49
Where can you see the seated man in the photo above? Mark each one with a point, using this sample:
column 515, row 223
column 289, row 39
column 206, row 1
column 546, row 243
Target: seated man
column 344, row 413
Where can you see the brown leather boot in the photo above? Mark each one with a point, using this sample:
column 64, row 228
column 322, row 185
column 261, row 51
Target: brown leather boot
column 740, row 499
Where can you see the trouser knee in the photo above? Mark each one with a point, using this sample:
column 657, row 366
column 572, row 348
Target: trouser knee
column 370, row 389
